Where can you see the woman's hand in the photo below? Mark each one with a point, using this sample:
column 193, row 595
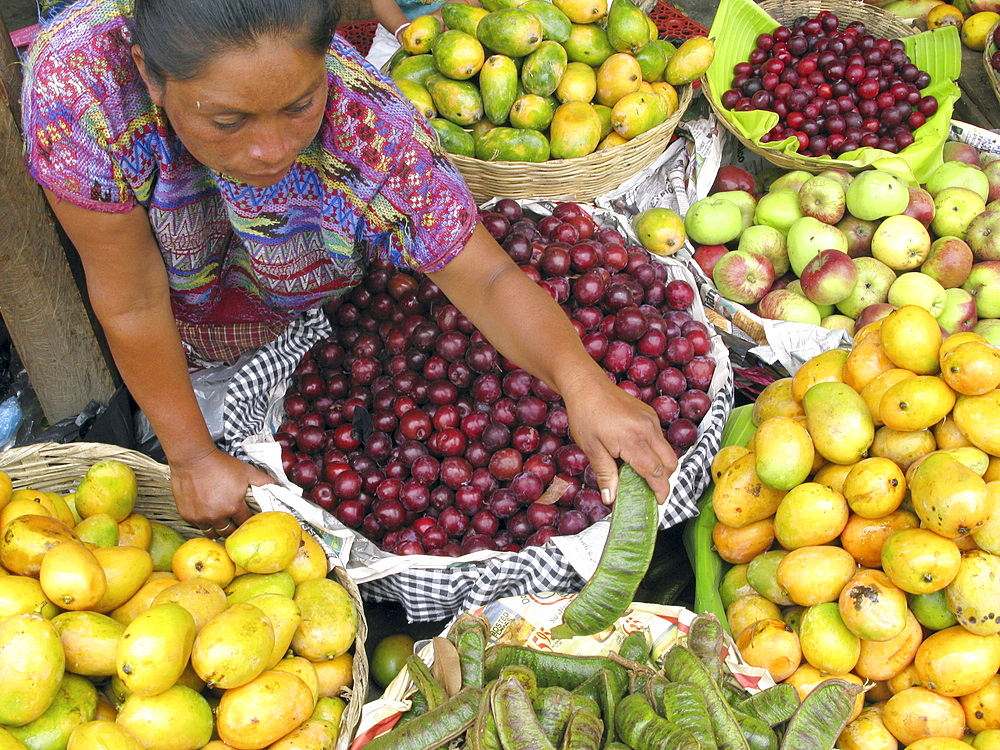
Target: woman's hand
column 607, row 423
column 210, row 491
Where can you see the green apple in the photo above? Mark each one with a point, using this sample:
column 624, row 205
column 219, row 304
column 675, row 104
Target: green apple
column 877, row 193
column 778, row 209
column 790, row 180
column 901, row 242
column 823, row 199
column 782, row 304
column 769, row 242
column 744, row 201
column 954, row 210
column 838, row 322
column 983, row 235
column 807, row 237
column 984, row 284
column 871, row 287
column 958, row 174
column 713, row 221
column 915, row 288
column 989, row 329
column 840, row 176
column 959, row 313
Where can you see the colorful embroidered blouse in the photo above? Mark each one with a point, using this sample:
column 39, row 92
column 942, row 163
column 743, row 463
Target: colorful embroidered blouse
column 374, row 181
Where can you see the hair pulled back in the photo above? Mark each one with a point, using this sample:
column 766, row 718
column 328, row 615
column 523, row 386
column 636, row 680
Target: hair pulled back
column 179, row 37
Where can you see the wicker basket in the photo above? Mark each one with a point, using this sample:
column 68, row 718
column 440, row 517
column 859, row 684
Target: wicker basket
column 580, row 179
column 58, row 467
column 991, row 74
column 880, row 22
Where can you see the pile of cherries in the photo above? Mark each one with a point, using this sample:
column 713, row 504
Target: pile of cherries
column 411, row 428
column 834, row 90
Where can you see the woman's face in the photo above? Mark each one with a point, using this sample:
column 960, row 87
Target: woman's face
column 250, row 111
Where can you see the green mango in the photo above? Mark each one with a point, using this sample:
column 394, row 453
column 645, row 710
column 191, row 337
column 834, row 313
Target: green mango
column 398, row 55
column 544, row 68
column 604, row 112
column 163, row 544
column 481, row 128
column 454, row 139
column 531, row 112
column 498, row 86
column 628, row 29
column 511, row 144
column 555, row 24
column 510, row 31
column 462, row 16
column 458, row 101
column 652, row 60
column 416, row 68
column 495, row 5
column 419, row 97
column 247, row 585
column 588, row 43
column 458, row 55
column 75, row 703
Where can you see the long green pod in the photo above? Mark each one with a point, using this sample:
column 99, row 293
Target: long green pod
column 553, row 707
column 550, row 668
column 758, row 733
column 773, row 705
column 635, row 647
column 482, row 735
column 641, row 728
column 427, row 684
column 821, row 716
column 418, row 707
column 469, row 634
column 610, row 694
column 524, row 675
column 584, row 732
column 684, row 704
column 516, row 723
column 681, row 665
column 435, row 728
column 656, row 687
column 705, row 639
column 623, row 562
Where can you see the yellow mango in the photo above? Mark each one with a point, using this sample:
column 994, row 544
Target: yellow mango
column 303, row 669
column 26, row 539
column 33, row 667
column 329, row 620
column 141, row 600
column 176, row 719
column 135, row 530
column 872, row 606
column 919, row 561
column 233, row 647
column 310, row 561
column 987, row 536
column 827, row 367
column 975, row 591
column 284, row 616
column 126, row 570
column 827, row 643
column 89, row 641
column 265, row 543
column 883, row 660
column 872, row 393
column 618, row 75
column 916, row 403
column 955, row 662
column 24, row 595
column 203, row 558
column 903, row 447
column 247, row 585
column 109, row 486
column 263, row 711
column 874, row 487
column 154, row 649
column 102, row 735
column 839, row 422
column 808, row 515
column 776, row 400
column 740, row 497
column 100, row 529
column 867, row 360
column 72, row 577
column 784, row 453
column 977, row 417
column 949, row 498
column 911, row 337
column 203, row 599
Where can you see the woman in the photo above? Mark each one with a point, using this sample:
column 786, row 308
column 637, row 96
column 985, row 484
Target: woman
column 224, row 167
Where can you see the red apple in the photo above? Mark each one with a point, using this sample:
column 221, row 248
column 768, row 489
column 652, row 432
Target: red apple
column 921, row 206
column 829, row 277
column 706, row 256
column 859, row 235
column 733, row 178
column 873, row 312
column 743, row 277
column 956, row 151
column 949, row 262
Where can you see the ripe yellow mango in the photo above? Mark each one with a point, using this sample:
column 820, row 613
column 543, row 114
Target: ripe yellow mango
column 141, row 600
column 618, row 75
column 872, row 393
column 154, row 649
column 176, row 719
column 109, row 486
column 247, row 585
column 234, row 647
column 866, row 361
column 33, row 667
column 102, row 735
column 955, row 662
column 284, row 616
column 329, row 620
column 916, row 403
column 203, row 599
column 839, row 422
column 89, row 641
column 135, row 530
column 977, row 417
column 72, row 577
column 827, row 643
column 949, row 498
column 810, row 514
column 265, row 543
column 74, row 703
column 263, row 711
column 27, row 538
column 827, row 367
column 872, row 606
column 310, row 561
column 784, row 453
column 902, row 446
column 975, row 591
column 126, row 570
column 911, row 337
column 303, row 669
column 740, row 497
column 24, row 595
column 874, row 487
column 776, row 400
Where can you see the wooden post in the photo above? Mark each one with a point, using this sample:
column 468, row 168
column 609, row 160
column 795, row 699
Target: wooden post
column 41, row 303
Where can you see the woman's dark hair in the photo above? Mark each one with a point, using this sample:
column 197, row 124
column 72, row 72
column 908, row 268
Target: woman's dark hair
column 178, row 37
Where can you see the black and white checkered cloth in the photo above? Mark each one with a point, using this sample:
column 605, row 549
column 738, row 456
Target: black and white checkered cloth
column 430, row 594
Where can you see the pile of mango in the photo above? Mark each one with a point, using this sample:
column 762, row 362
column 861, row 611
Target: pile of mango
column 862, row 519
column 532, row 80
column 117, row 633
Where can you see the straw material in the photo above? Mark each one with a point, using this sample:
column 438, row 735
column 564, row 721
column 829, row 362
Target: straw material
column 58, row 467
column 991, row 74
column 580, row 179
column 880, row 22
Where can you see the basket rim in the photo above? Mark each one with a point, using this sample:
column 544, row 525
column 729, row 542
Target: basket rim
column 897, row 30
column 988, row 52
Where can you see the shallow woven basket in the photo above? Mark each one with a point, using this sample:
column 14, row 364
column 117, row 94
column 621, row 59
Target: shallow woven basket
column 991, row 74
column 58, row 467
column 880, row 22
column 582, row 179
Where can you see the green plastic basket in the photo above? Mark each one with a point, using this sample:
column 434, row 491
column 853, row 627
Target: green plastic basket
column 707, row 565
column 735, row 29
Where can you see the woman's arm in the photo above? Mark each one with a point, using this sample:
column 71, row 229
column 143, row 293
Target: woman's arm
column 526, row 325
column 388, row 14
column 128, row 290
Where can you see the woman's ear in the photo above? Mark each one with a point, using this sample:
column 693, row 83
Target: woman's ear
column 155, row 91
